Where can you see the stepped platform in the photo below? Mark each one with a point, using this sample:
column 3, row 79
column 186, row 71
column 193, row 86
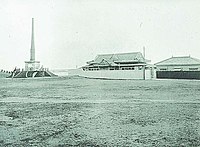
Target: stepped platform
column 31, row 74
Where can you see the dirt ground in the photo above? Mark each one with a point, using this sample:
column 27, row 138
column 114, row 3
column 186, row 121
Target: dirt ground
column 90, row 112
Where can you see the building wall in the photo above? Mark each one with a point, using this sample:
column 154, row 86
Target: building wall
column 114, row 74
column 178, row 74
column 179, row 68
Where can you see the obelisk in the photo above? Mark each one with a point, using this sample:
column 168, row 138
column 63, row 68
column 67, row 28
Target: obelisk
column 32, row 55
column 32, row 65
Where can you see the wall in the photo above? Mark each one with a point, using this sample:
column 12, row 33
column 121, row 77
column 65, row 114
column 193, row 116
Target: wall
column 112, row 74
column 178, row 74
column 4, row 74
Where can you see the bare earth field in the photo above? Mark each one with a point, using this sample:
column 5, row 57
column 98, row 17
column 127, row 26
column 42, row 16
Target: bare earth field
column 91, row 112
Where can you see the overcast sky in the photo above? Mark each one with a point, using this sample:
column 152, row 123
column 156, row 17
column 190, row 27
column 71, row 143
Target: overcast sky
column 71, row 32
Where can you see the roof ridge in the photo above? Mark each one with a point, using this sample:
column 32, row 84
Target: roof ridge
column 118, row 53
column 181, row 57
column 163, row 60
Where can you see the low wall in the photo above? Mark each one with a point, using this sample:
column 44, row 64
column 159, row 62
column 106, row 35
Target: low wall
column 4, row 74
column 178, row 74
column 112, row 74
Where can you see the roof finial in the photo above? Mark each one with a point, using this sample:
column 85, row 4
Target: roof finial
column 144, row 51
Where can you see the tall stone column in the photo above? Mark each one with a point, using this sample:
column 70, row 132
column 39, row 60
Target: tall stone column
column 32, row 56
column 32, row 65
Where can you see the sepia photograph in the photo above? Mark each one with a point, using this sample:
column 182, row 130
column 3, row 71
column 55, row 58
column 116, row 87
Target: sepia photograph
column 100, row 73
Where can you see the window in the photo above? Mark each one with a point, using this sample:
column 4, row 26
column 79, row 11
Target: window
column 117, row 68
column 177, row 69
column 193, row 69
column 140, row 67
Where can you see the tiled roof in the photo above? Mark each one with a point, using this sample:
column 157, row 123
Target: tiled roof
column 184, row 60
column 123, row 57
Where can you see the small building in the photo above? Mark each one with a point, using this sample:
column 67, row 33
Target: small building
column 184, row 67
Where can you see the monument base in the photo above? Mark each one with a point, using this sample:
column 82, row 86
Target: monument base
column 31, row 74
column 32, row 65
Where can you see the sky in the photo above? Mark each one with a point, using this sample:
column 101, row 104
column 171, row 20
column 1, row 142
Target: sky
column 68, row 33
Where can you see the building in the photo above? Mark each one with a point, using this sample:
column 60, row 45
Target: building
column 184, row 67
column 117, row 66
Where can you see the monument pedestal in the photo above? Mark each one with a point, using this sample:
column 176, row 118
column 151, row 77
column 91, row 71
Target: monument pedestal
column 32, row 65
